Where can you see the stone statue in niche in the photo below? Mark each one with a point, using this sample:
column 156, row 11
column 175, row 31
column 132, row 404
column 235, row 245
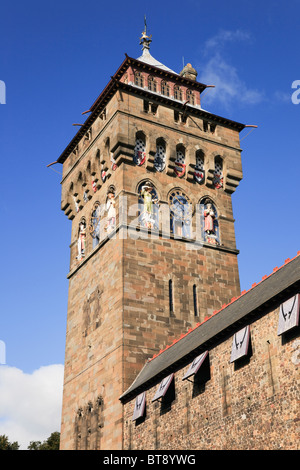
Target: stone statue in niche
column 209, row 216
column 211, row 225
column 181, row 215
column 149, row 213
column 81, row 243
column 111, row 212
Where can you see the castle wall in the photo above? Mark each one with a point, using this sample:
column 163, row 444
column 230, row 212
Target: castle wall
column 253, row 405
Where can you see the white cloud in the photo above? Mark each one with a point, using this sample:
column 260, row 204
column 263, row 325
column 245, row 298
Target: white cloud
column 30, row 404
column 229, row 89
column 218, row 41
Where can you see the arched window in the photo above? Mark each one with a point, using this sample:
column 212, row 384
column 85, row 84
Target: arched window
column 190, row 97
column 81, row 241
column 209, row 222
column 180, row 161
column 180, row 214
column 152, row 83
column 177, row 93
column 139, row 79
column 139, row 149
column 160, row 156
column 95, row 225
column 218, row 173
column 165, row 88
column 199, row 173
column 148, row 206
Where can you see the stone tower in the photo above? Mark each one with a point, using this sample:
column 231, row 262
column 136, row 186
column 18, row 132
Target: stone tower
column 147, row 183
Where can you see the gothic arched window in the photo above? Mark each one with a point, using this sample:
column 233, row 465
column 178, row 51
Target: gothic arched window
column 190, row 96
column 148, row 206
column 139, row 79
column 209, row 222
column 95, row 225
column 218, row 173
column 177, row 93
column 160, row 156
column 165, row 88
column 180, row 214
column 152, row 83
column 139, row 149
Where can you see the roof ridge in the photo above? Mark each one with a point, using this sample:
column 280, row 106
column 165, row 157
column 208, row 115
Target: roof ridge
column 234, row 299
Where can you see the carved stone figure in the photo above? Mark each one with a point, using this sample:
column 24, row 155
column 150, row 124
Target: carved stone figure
column 209, row 216
column 81, row 243
column 111, row 212
column 149, row 197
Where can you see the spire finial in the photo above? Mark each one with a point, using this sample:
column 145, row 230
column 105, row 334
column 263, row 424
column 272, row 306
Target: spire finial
column 145, row 40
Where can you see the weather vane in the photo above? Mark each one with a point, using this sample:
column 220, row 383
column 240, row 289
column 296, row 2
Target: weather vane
column 145, row 40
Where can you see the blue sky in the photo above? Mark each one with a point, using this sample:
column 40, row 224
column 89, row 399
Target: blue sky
column 55, row 60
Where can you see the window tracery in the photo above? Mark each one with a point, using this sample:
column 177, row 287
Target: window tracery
column 180, row 165
column 139, row 150
column 218, row 173
column 199, row 173
column 160, row 156
column 88, row 425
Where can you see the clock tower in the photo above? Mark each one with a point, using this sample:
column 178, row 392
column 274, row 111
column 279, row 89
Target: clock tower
column 147, row 184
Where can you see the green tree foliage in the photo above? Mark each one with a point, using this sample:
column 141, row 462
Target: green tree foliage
column 6, row 445
column 52, row 443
